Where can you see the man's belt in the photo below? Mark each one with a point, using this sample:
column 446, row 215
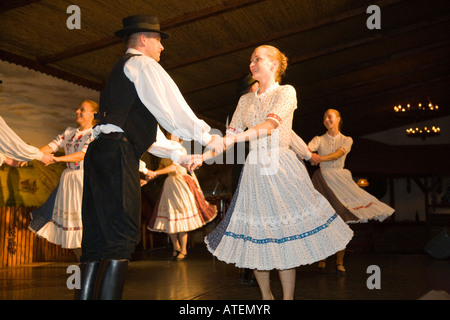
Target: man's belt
column 116, row 135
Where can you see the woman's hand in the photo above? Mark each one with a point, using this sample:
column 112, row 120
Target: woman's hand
column 191, row 161
column 150, row 175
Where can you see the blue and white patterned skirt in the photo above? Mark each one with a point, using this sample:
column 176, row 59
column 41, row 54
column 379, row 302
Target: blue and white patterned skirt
column 277, row 220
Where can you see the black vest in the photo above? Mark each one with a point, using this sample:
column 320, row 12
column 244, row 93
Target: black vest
column 121, row 106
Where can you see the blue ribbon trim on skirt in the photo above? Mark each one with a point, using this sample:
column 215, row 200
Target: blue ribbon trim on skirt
column 285, row 239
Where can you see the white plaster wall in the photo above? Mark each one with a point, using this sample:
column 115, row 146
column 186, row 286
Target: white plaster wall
column 37, row 106
column 407, row 204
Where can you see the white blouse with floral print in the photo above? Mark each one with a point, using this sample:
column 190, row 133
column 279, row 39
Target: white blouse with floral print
column 277, row 103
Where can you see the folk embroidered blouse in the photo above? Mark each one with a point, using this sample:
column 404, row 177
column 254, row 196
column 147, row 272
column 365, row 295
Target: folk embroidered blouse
column 72, row 140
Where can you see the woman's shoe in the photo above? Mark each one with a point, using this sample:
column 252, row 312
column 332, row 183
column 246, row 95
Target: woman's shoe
column 322, row 265
column 175, row 254
column 340, row 269
column 181, row 256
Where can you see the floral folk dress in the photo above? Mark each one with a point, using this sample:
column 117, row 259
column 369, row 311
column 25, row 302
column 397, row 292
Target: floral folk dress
column 277, row 219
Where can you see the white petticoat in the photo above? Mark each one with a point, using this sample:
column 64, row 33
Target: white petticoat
column 66, row 228
column 358, row 201
column 277, row 219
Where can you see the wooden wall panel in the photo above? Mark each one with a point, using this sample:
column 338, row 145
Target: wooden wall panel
column 18, row 245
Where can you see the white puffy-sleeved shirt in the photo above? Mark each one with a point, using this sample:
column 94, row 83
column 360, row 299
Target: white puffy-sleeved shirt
column 12, row 146
column 326, row 144
column 159, row 93
column 161, row 147
column 72, row 140
column 299, row 146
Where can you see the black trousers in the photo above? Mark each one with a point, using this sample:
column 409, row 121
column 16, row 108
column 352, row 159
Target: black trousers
column 111, row 208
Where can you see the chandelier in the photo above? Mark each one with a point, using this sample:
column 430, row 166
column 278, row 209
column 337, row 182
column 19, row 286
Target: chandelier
column 425, row 131
column 418, row 112
column 419, row 108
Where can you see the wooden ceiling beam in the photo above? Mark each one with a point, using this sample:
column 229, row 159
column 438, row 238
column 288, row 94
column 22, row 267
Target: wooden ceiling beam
column 357, row 85
column 277, row 36
column 187, row 18
column 11, row 5
column 405, row 89
column 443, row 45
column 49, row 70
column 206, row 13
column 332, row 50
column 361, row 66
column 175, row 22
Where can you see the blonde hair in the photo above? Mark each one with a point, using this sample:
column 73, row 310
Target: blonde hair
column 338, row 114
column 94, row 108
column 277, row 55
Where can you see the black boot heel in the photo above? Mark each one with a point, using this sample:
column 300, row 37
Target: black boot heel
column 88, row 275
column 111, row 278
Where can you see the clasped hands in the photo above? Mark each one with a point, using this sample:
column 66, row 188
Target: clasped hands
column 315, row 159
column 216, row 146
column 47, row 159
column 148, row 176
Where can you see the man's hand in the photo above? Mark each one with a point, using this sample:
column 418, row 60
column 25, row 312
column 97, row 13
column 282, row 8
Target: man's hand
column 191, row 161
column 11, row 162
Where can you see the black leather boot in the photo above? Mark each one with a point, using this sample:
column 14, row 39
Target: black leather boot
column 110, row 280
column 88, row 275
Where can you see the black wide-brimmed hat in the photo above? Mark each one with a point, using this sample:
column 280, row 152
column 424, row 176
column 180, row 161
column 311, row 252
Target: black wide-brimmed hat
column 140, row 23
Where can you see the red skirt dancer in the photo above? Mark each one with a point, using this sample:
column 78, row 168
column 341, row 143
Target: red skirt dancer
column 181, row 206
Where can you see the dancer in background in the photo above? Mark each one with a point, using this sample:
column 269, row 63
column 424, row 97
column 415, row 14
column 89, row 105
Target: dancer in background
column 181, row 206
column 276, row 220
column 13, row 149
column 352, row 203
column 59, row 219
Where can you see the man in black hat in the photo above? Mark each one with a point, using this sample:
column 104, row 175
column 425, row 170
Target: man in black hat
column 138, row 95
